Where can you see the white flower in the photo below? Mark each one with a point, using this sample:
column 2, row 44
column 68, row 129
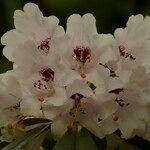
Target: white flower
column 132, row 112
column 81, row 107
column 133, row 42
column 97, row 81
column 80, row 47
column 31, row 25
column 41, row 80
column 10, row 97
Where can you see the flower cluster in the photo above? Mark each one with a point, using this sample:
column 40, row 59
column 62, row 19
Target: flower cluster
column 99, row 81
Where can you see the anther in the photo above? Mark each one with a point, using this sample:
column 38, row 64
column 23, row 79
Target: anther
column 115, row 117
column 41, row 99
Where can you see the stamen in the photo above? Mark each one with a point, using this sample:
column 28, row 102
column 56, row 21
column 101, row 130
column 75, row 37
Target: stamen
column 112, row 73
column 10, row 126
column 115, row 117
column 15, row 106
column 83, row 75
column 91, row 85
column 99, row 120
column 41, row 98
column 121, row 102
column 122, row 50
column 69, row 126
column 125, row 54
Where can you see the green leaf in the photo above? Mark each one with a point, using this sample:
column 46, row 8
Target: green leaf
column 3, row 144
column 85, row 141
column 32, row 121
column 139, row 143
column 116, row 143
column 36, row 143
column 100, row 143
column 68, row 141
column 21, row 142
column 48, row 142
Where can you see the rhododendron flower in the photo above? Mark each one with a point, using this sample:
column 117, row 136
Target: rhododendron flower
column 10, row 98
column 32, row 25
column 133, row 42
column 96, row 81
column 40, row 79
column 81, row 107
column 82, row 46
column 131, row 114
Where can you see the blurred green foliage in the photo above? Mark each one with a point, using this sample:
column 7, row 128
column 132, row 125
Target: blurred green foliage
column 110, row 14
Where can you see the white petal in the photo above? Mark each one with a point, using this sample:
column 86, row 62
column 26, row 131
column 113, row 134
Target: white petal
column 11, row 37
column 51, row 23
column 90, row 124
column 108, row 125
column 23, row 20
column 59, row 32
column 135, row 21
column 8, row 51
column 7, row 99
column 74, row 25
column 50, row 111
column 127, row 127
column 78, row 86
column 120, row 35
column 31, row 107
column 32, row 9
column 25, row 55
column 12, row 85
column 9, row 117
column 106, row 104
column 89, row 23
column 58, row 98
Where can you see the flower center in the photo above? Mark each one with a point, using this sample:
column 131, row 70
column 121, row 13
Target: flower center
column 47, row 74
column 43, row 84
column 125, row 54
column 82, row 54
column 44, row 47
column 77, row 105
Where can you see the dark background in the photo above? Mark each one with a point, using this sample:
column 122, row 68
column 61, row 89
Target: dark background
column 110, row 14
